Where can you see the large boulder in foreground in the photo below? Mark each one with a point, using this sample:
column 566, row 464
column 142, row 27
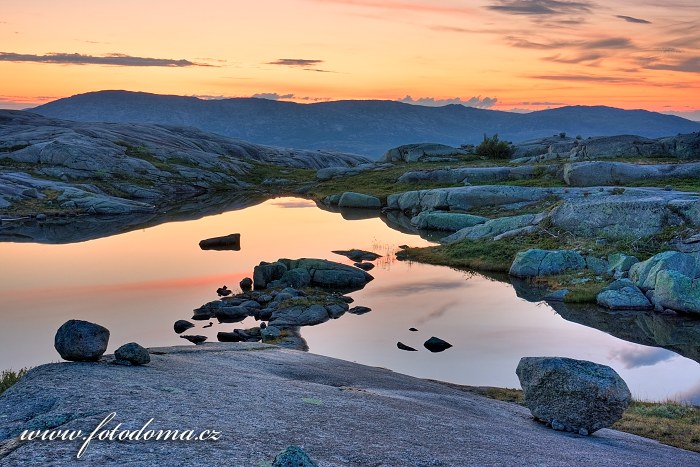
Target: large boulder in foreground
column 81, row 341
column 535, row 262
column 573, row 395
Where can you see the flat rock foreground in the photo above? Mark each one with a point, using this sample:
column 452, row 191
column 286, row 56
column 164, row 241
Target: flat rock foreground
column 263, row 399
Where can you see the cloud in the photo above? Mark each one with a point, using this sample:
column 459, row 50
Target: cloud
column 476, row 101
column 272, row 96
column 296, row 62
column 636, row 357
column 540, row 7
column 631, row 19
column 690, row 395
column 589, row 78
column 688, row 65
column 689, row 114
column 398, row 5
column 114, row 59
column 578, row 59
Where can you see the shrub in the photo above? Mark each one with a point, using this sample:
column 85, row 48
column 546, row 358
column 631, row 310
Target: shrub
column 493, row 148
column 9, row 377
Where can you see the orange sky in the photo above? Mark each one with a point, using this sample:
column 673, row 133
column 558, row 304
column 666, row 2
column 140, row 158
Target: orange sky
column 500, row 54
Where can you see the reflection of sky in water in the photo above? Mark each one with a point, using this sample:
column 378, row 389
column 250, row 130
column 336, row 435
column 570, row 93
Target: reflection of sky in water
column 137, row 284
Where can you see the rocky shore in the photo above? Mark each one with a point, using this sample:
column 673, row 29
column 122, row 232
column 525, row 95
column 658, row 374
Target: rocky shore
column 263, row 399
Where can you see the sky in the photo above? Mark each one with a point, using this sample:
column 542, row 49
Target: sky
column 499, row 54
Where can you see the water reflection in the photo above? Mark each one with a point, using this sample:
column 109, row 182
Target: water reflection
column 139, row 283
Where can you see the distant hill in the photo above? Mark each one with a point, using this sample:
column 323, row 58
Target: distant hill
column 361, row 127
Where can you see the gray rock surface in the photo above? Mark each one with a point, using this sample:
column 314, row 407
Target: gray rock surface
column 619, row 264
column 131, row 354
column 572, row 395
column 329, row 274
column 645, row 273
column 478, row 175
column 351, row 199
column 284, row 398
column 494, row 228
column 620, row 173
column 677, row 291
column 447, row 221
column 535, row 262
column 78, row 340
column 416, row 152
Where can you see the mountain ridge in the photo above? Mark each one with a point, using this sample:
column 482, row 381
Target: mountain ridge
column 368, row 127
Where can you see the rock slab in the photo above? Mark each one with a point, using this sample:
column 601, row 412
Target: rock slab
column 573, row 395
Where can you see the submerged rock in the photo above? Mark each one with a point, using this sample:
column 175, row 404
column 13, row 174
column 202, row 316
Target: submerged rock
column 227, row 242
column 403, row 346
column 195, row 339
column 131, row 354
column 572, row 395
column 358, row 255
column 79, row 341
column 435, row 344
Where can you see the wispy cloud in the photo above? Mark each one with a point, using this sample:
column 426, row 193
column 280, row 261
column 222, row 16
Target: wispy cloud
column 114, row 59
column 687, row 65
column 298, row 62
column 631, row 19
column 589, row 78
column 476, row 101
column 540, row 7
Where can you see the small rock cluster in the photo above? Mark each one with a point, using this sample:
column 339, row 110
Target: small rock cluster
column 82, row 341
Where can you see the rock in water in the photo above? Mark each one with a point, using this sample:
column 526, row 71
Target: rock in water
column 131, row 354
column 246, row 284
column 358, row 255
column 293, row 456
column 195, row 339
column 182, row 325
column 413, row 329
column 572, row 395
column 403, row 346
column 81, row 341
column 227, row 242
column 359, row 310
column 223, row 291
column 351, row 199
column 435, row 344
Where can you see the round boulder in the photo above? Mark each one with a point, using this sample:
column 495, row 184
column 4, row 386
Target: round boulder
column 81, row 341
column 572, row 395
column 131, row 354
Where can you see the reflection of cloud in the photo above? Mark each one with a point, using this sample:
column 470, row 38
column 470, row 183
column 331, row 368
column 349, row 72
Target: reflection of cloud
column 476, row 101
column 631, row 19
column 418, row 287
column 295, row 204
column 691, row 395
column 637, row 357
column 437, row 312
column 109, row 59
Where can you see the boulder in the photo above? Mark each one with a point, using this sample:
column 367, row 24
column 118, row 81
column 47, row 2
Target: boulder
column 264, row 273
column 329, row 274
column 246, row 284
column 351, row 199
column 336, row 310
column 359, row 310
column 223, row 291
column 619, row 264
column 435, row 344
column 536, row 262
column 299, row 316
column 494, row 228
column 572, row 395
column 208, row 310
column 81, row 341
column 677, row 291
column 297, row 278
column 364, row 266
column 227, row 242
column 232, row 314
column 644, row 274
column 182, row 325
column 293, row 456
column 131, row 354
column 447, row 221
column 415, row 152
column 621, row 173
column 623, row 295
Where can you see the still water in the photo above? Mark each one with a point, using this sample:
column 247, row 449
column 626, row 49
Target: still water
column 138, row 283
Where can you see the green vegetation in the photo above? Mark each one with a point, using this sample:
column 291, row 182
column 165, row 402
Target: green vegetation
column 261, row 171
column 493, row 148
column 669, row 422
column 10, row 377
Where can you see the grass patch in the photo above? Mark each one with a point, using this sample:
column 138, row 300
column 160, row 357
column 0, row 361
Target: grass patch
column 671, row 423
column 261, row 171
column 10, row 377
column 677, row 183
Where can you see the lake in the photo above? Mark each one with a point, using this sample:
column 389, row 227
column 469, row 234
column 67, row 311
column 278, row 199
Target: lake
column 138, row 283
